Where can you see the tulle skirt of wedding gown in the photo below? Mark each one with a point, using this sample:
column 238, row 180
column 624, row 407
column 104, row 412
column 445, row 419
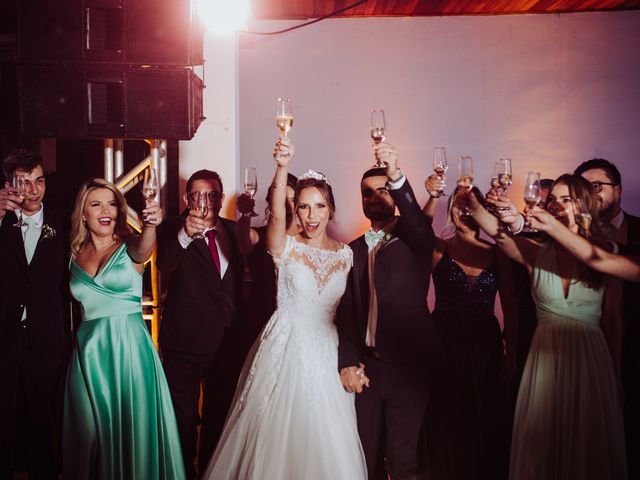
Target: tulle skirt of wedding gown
column 291, row 418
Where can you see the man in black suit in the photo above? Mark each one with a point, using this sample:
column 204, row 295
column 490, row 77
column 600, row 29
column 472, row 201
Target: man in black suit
column 205, row 268
column 34, row 282
column 623, row 229
column 384, row 324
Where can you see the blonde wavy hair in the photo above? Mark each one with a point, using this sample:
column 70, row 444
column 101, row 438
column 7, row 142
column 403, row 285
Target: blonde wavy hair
column 79, row 235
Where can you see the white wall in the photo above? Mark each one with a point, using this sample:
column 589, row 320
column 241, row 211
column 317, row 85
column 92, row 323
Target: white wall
column 549, row 91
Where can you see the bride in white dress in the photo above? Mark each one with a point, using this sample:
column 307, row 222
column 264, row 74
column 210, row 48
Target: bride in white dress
column 291, row 418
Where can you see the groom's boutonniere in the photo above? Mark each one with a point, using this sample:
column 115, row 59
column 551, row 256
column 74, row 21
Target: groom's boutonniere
column 47, row 232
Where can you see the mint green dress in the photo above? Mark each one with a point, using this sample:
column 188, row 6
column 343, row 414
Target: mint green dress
column 119, row 421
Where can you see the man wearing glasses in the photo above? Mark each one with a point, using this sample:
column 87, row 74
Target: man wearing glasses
column 623, row 229
column 198, row 251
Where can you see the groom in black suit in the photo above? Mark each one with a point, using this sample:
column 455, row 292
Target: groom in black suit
column 384, row 324
column 33, row 284
column 199, row 312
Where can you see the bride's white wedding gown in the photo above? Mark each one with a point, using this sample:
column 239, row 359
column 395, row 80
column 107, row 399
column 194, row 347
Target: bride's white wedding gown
column 291, row 418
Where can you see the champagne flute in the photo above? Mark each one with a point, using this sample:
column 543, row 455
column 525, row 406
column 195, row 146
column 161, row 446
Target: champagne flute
column 531, row 197
column 202, row 207
column 582, row 217
column 505, row 177
column 378, row 131
column 284, row 116
column 465, row 171
column 440, row 166
column 19, row 182
column 150, row 184
column 251, row 185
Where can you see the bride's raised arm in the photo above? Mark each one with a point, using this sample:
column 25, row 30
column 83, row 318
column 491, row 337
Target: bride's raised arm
column 277, row 224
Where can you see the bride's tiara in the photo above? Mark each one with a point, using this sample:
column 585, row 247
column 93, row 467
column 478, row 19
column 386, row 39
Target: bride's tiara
column 315, row 175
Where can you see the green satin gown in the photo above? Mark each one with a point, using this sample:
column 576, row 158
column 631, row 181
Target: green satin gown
column 119, row 421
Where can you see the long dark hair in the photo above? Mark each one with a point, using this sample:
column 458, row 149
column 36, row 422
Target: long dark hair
column 580, row 189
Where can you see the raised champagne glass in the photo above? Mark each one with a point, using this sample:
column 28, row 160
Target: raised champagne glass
column 504, row 172
column 582, row 217
column 19, row 182
column 378, row 131
column 440, row 166
column 531, row 197
column 150, row 184
column 250, row 185
column 465, row 172
column 284, row 116
column 202, row 207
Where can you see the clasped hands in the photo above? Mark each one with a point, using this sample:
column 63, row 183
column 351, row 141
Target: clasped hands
column 353, row 379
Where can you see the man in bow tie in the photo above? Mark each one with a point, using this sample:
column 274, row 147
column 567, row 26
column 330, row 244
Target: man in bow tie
column 33, row 286
column 387, row 341
column 198, row 250
column 623, row 229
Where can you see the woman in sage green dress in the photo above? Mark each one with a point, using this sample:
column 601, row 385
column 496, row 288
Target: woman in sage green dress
column 119, row 421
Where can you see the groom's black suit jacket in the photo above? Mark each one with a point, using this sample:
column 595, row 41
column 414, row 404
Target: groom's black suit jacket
column 406, row 337
column 200, row 305
column 41, row 286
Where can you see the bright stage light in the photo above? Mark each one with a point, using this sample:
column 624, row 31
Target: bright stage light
column 223, row 16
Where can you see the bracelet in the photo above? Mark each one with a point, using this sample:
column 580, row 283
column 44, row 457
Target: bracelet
column 277, row 184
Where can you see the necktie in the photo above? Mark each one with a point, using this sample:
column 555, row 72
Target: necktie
column 30, row 237
column 372, row 238
column 211, row 235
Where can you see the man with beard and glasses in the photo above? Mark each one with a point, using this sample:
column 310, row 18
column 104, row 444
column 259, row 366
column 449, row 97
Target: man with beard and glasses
column 384, row 325
column 623, row 229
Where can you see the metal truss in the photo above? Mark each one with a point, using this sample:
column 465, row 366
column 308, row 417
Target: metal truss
column 113, row 171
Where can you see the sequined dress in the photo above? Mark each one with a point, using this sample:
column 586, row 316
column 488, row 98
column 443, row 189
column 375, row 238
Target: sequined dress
column 468, row 427
column 291, row 418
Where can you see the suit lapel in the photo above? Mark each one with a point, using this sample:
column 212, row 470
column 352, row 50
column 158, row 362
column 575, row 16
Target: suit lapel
column 360, row 277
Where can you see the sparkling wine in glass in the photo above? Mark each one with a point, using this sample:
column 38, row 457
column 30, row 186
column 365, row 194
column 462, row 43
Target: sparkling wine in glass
column 504, row 173
column 531, row 197
column 19, row 182
column 202, row 207
column 284, row 116
column 150, row 184
column 250, row 185
column 378, row 131
column 465, row 171
column 582, row 217
column 440, row 165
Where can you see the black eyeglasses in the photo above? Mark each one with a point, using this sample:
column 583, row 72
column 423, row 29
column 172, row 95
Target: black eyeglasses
column 211, row 196
column 597, row 186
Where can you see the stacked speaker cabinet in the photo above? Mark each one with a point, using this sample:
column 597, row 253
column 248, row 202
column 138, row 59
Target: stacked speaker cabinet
column 109, row 68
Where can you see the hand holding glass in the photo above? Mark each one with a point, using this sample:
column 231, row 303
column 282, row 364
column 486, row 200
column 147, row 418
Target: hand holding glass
column 440, row 166
column 251, row 185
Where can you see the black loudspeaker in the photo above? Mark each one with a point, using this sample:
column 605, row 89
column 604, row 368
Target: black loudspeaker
column 114, row 102
column 133, row 32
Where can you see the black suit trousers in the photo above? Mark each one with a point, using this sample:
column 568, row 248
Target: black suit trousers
column 390, row 414
column 29, row 403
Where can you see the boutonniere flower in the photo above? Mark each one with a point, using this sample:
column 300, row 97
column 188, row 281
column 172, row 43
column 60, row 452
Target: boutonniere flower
column 387, row 237
column 47, row 232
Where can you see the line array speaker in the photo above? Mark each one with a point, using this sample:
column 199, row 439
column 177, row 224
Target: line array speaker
column 109, row 102
column 134, row 32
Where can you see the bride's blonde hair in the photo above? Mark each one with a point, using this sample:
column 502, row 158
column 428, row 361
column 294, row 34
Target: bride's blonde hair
column 79, row 234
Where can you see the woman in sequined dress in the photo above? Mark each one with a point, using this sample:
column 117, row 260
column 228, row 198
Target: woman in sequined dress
column 469, row 439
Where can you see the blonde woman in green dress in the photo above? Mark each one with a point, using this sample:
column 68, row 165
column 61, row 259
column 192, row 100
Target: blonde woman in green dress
column 119, row 421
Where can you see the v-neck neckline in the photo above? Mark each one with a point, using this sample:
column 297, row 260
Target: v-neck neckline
column 104, row 267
